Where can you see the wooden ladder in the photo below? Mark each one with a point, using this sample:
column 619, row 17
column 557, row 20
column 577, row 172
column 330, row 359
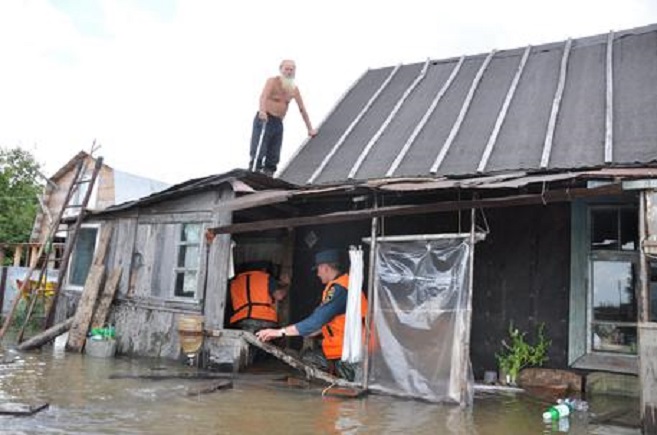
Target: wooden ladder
column 45, row 252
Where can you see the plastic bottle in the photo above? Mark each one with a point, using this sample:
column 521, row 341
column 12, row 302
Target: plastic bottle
column 556, row 412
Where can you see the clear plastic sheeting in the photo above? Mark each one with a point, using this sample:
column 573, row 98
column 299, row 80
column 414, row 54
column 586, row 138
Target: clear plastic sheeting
column 420, row 319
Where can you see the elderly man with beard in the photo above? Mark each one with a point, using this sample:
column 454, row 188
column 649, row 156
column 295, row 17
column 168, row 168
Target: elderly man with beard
column 274, row 102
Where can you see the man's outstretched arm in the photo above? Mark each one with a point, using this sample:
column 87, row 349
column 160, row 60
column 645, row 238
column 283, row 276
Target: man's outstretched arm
column 304, row 114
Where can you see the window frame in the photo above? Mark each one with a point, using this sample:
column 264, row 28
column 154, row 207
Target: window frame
column 177, row 270
column 67, row 283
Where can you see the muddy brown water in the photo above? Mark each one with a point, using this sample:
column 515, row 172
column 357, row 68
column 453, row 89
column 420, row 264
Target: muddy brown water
column 83, row 399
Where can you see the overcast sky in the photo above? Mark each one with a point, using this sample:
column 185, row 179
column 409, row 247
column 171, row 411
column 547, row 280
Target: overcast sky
column 169, row 88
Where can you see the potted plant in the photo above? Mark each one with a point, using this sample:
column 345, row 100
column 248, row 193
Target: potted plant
column 517, row 353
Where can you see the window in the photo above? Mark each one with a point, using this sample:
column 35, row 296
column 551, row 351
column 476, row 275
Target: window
column 187, row 264
column 82, row 256
column 613, row 260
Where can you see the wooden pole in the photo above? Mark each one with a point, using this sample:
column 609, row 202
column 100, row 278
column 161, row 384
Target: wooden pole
column 467, row 316
column 309, row 371
column 370, row 301
column 18, row 253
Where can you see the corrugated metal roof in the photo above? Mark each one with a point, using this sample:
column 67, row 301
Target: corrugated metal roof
column 552, row 107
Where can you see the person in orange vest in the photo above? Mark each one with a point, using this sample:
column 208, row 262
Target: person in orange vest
column 327, row 319
column 253, row 296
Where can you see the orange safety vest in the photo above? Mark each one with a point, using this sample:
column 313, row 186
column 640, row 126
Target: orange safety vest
column 333, row 331
column 249, row 294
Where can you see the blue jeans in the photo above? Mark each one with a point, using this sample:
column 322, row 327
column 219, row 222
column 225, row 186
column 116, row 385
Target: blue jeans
column 270, row 149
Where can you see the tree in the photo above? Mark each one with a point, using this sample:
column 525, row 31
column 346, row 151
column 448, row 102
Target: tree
column 19, row 187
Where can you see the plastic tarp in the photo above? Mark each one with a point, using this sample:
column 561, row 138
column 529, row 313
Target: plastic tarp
column 420, row 320
column 353, row 338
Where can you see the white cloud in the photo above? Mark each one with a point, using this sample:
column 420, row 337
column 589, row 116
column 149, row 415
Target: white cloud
column 173, row 98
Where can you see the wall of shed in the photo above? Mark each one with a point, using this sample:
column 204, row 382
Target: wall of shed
column 143, row 247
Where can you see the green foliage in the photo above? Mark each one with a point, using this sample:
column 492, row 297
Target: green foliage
column 518, row 353
column 36, row 319
column 19, row 187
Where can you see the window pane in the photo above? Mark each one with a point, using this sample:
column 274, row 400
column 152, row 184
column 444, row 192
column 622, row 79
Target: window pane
column 604, row 229
column 191, row 233
column 188, row 257
column 82, row 256
column 185, row 284
column 629, row 229
column 613, row 291
column 613, row 338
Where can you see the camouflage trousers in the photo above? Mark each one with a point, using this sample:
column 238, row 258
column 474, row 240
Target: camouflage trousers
column 336, row 367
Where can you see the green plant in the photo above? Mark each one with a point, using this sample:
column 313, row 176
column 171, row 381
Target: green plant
column 518, row 353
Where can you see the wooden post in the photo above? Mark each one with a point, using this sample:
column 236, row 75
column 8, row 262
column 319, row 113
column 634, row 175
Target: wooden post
column 647, row 331
column 370, row 302
column 18, row 253
column 3, row 285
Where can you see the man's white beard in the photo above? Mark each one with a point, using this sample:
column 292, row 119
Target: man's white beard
column 288, row 83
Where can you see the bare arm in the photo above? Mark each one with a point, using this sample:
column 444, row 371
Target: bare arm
column 269, row 334
column 304, row 113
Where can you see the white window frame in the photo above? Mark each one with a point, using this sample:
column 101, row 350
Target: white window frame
column 177, row 270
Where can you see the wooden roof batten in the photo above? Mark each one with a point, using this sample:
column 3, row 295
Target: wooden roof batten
column 420, row 125
column 609, row 101
column 353, row 124
column 556, row 105
column 329, row 113
column 492, row 139
column 388, row 120
column 464, row 110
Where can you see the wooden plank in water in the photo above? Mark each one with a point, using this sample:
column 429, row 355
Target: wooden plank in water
column 47, row 335
column 21, row 408
column 210, row 387
column 348, row 393
column 310, row 372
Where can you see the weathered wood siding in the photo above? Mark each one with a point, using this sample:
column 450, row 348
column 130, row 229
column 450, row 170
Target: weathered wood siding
column 647, row 376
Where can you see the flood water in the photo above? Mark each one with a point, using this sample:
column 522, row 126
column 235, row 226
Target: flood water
column 83, row 399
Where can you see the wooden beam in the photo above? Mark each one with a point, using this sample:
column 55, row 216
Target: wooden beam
column 84, row 311
column 464, row 110
column 405, row 210
column 106, row 298
column 388, row 120
column 492, row 139
column 420, row 125
column 353, row 124
column 46, row 336
column 310, row 372
column 556, row 104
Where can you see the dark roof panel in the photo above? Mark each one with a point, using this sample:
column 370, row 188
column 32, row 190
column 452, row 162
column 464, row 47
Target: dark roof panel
column 635, row 98
column 520, row 143
column 301, row 168
column 428, row 143
column 340, row 164
column 393, row 139
column 577, row 139
column 468, row 146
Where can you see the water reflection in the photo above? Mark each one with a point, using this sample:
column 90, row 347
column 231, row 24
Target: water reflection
column 83, row 399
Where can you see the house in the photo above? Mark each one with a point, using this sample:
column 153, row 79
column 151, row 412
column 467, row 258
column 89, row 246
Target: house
column 111, row 187
column 540, row 162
